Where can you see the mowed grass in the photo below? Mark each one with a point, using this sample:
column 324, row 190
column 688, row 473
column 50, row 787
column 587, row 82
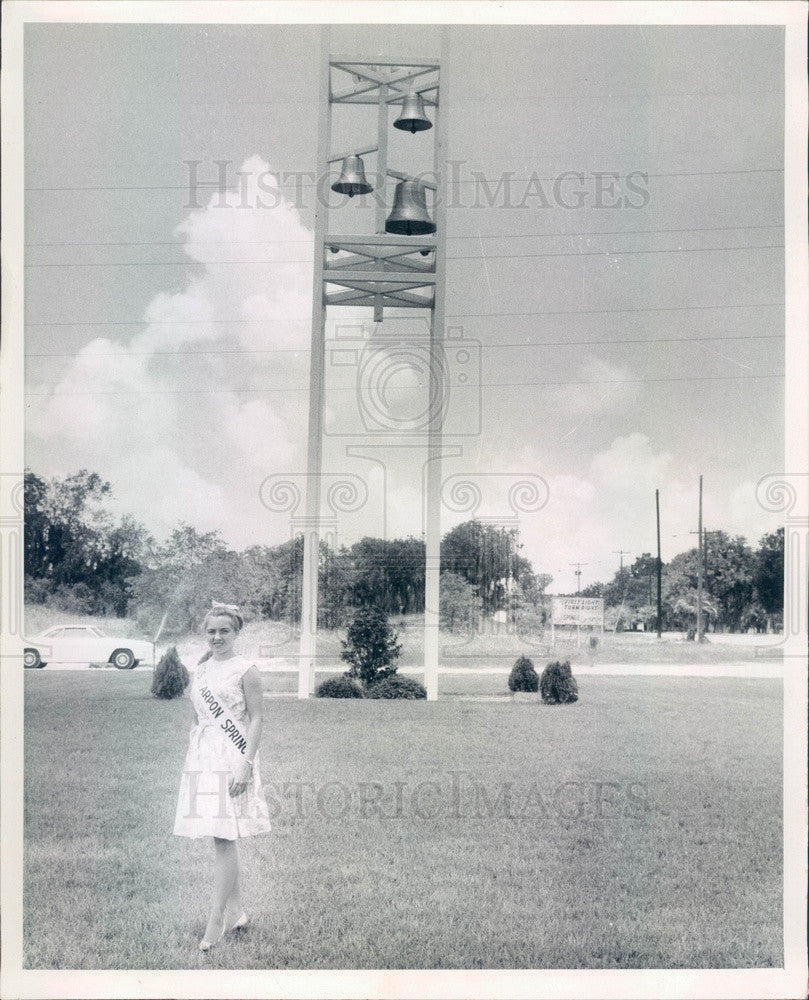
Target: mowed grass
column 639, row 828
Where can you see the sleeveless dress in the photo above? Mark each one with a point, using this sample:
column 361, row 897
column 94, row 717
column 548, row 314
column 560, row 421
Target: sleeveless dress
column 205, row 807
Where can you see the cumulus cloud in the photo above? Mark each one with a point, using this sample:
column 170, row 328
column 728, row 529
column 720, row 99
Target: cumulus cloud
column 600, row 387
column 590, row 517
column 164, row 414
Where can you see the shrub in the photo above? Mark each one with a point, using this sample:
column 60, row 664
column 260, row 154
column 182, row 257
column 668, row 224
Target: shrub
column 557, row 684
column 370, row 645
column 523, row 677
column 397, row 687
column 76, row 599
column 170, row 676
column 341, row 686
column 37, row 591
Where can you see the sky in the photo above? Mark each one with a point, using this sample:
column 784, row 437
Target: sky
column 614, row 344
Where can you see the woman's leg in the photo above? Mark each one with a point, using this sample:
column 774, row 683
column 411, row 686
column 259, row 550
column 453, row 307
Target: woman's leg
column 234, row 903
column 226, row 877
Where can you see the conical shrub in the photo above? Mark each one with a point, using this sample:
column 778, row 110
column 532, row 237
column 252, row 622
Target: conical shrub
column 523, row 677
column 170, row 676
column 557, row 684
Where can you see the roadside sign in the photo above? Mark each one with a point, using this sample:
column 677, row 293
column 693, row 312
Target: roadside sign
column 577, row 611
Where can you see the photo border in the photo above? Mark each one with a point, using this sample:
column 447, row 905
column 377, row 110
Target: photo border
column 755, row 984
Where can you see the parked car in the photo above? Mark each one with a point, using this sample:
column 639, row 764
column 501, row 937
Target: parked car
column 85, row 644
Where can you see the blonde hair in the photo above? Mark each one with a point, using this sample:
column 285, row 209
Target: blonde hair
column 230, row 611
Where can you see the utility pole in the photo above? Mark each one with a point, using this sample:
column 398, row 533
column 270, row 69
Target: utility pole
column 578, row 566
column 703, row 555
column 659, row 571
column 699, row 569
column 621, row 553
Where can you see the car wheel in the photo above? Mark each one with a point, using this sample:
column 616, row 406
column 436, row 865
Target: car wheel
column 123, row 659
column 31, row 659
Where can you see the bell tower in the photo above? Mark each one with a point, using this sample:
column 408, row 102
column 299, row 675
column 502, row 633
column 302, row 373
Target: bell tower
column 401, row 265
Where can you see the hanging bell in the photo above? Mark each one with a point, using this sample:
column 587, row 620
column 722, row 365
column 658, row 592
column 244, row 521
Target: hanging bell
column 409, row 214
column 413, row 118
column 352, row 178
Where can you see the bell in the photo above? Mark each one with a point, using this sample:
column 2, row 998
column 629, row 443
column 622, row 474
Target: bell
column 413, row 118
column 352, row 178
column 409, row 214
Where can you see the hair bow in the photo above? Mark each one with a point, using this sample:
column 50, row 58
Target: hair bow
column 228, row 607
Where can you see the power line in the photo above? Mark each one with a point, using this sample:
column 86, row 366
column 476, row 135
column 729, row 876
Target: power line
column 468, row 315
column 477, row 257
column 638, row 309
column 547, row 97
column 516, row 343
column 516, row 236
column 351, row 388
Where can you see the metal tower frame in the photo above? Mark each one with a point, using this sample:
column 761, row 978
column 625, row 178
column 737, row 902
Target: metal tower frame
column 382, row 270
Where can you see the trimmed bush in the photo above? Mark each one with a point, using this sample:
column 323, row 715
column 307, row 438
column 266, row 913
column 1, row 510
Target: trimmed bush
column 370, row 645
column 341, row 686
column 397, row 687
column 557, row 684
column 523, row 677
column 170, row 676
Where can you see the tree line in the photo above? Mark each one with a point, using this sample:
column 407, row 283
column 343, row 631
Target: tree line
column 82, row 560
column 743, row 587
column 78, row 558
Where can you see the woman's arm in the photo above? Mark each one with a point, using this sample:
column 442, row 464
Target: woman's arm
column 254, row 702
column 194, row 715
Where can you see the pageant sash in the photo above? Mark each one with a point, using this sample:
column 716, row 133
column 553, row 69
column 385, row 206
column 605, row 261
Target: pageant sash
column 217, row 714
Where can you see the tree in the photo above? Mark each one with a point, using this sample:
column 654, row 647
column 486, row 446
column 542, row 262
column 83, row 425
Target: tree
column 459, row 603
column 768, row 573
column 37, row 562
column 123, row 554
column 74, row 551
column 729, row 569
column 175, row 582
column 65, row 521
column 684, row 610
column 336, row 582
column 485, row 556
column 370, row 645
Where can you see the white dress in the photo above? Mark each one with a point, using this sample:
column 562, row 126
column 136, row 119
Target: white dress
column 205, row 807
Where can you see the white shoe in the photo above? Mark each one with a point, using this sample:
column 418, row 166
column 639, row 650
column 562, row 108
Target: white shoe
column 207, row 945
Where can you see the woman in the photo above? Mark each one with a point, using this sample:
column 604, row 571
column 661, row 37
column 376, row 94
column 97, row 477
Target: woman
column 220, row 791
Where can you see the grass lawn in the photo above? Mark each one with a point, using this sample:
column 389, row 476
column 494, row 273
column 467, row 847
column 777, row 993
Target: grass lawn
column 639, row 828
